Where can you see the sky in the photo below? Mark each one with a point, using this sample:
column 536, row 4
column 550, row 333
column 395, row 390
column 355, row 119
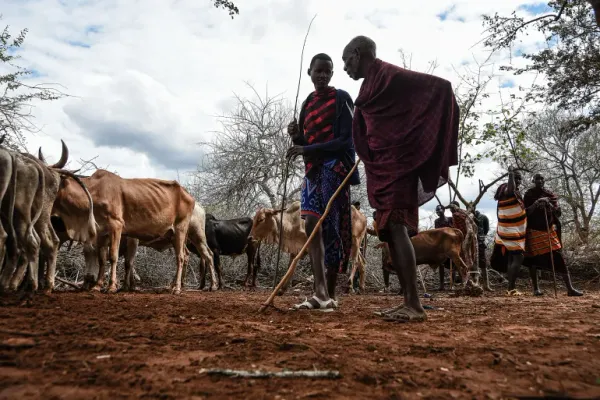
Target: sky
column 147, row 78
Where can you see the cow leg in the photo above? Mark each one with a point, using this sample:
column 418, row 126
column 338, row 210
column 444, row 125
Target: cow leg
column 113, row 255
column 179, row 245
column 29, row 262
column 132, row 245
column 218, row 269
column 202, row 273
column 49, row 244
column 3, row 239
column 386, row 280
column 442, row 276
column 362, row 271
column 256, row 264
column 102, row 256
column 91, row 274
column 483, row 265
column 250, row 265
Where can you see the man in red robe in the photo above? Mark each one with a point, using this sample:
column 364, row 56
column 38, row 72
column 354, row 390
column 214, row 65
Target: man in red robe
column 405, row 130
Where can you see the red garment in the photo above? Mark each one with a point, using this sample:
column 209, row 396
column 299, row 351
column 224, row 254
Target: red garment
column 406, row 217
column 318, row 122
column 405, row 130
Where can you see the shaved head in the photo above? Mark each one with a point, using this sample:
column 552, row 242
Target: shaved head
column 365, row 46
column 358, row 55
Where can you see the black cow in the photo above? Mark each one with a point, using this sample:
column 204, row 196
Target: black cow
column 230, row 237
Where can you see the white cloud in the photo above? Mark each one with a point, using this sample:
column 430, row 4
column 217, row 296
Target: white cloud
column 149, row 76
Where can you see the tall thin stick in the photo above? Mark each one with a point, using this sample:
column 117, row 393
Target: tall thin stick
column 292, row 267
column 287, row 164
column 551, row 252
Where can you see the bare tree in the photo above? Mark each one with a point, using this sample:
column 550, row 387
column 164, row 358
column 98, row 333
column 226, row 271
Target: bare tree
column 570, row 162
column 17, row 96
column 245, row 163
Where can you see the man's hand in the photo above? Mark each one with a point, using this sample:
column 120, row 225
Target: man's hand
column 511, row 170
column 293, row 128
column 542, row 202
column 295, row 151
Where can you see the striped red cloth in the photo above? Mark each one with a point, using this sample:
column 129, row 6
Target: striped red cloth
column 318, row 122
column 537, row 242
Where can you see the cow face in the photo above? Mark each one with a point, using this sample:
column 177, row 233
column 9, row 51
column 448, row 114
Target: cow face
column 264, row 223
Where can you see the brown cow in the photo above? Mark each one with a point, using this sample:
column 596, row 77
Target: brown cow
column 146, row 209
column 265, row 227
column 196, row 242
column 434, row 246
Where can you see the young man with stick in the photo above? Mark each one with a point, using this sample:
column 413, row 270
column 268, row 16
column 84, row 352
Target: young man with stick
column 323, row 136
column 405, row 131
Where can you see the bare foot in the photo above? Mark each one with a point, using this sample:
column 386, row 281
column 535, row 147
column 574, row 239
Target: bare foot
column 405, row 314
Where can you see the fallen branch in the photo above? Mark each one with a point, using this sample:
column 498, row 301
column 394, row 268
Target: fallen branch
column 269, row 374
column 73, row 285
column 20, row 333
column 292, row 267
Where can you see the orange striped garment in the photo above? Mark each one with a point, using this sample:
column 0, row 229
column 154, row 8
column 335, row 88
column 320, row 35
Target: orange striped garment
column 512, row 224
column 537, row 242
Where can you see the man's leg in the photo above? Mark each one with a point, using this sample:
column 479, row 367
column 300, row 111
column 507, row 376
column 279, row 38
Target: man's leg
column 316, row 251
column 404, row 262
column 534, row 281
column 571, row 291
column 515, row 260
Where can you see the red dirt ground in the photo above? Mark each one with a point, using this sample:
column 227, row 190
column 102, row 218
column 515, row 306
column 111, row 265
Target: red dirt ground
column 475, row 348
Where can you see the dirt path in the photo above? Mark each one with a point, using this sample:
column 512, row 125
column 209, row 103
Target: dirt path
column 83, row 345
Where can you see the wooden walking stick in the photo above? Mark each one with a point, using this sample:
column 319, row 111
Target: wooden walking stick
column 551, row 252
column 292, row 267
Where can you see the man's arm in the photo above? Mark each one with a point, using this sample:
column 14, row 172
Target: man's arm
column 510, row 188
column 486, row 224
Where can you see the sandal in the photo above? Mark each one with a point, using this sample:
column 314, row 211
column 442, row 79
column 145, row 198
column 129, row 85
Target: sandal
column 385, row 312
column 513, row 292
column 316, row 304
column 405, row 314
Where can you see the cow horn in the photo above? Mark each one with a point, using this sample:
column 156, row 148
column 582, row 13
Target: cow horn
column 41, row 156
column 64, row 157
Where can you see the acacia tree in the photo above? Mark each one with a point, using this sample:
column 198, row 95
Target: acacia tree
column 570, row 162
column 227, row 5
column 570, row 61
column 245, row 163
column 17, row 96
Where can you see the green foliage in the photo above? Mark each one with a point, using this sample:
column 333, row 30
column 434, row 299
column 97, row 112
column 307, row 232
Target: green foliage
column 16, row 96
column 570, row 60
column 227, row 5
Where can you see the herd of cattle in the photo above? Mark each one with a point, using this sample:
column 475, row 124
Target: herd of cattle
column 44, row 206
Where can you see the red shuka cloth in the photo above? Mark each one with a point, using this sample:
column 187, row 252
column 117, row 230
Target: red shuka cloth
column 405, row 130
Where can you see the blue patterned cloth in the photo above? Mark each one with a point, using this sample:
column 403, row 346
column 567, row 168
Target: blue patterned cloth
column 337, row 228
